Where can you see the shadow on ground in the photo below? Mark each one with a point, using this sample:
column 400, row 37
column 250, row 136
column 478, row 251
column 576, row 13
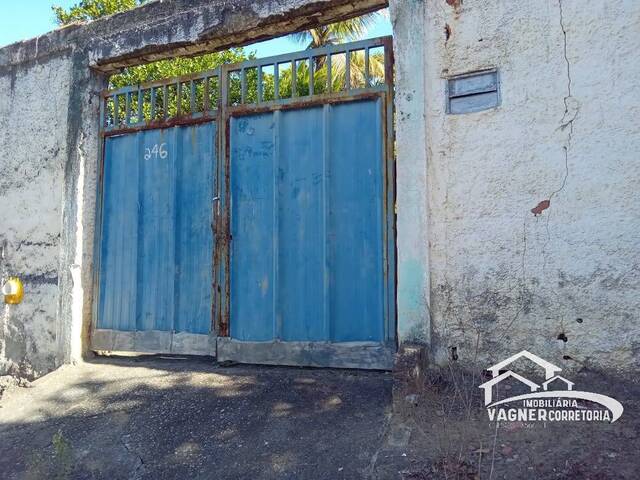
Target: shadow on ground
column 157, row 418
column 153, row 418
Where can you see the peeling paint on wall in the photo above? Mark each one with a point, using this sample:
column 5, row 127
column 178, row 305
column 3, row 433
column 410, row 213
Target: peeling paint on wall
column 541, row 207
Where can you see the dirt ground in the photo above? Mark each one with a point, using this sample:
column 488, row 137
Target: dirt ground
column 154, row 418
column 451, row 431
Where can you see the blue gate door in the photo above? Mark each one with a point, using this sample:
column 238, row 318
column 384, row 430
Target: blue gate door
column 156, row 261
column 307, row 237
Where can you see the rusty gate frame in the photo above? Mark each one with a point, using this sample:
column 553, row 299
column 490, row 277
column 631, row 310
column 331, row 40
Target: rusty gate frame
column 117, row 121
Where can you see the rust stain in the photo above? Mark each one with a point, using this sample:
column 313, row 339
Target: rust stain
column 162, row 124
column 541, row 207
column 454, row 3
column 300, row 102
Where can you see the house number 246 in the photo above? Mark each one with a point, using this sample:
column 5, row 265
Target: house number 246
column 156, row 151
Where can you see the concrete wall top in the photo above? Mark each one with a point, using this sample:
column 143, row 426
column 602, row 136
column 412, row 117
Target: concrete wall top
column 168, row 28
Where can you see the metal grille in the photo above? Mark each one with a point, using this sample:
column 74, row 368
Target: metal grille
column 345, row 70
column 156, row 103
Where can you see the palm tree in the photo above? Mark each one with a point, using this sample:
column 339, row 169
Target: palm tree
column 336, row 33
column 340, row 32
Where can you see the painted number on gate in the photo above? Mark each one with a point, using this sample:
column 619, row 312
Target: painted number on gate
column 156, row 151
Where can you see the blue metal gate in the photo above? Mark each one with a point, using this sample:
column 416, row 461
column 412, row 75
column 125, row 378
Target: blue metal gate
column 302, row 268
column 156, row 253
column 311, row 263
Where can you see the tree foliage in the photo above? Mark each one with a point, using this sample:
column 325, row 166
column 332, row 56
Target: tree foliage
column 93, row 9
column 177, row 67
column 303, row 81
column 87, row 10
column 340, row 32
column 348, row 30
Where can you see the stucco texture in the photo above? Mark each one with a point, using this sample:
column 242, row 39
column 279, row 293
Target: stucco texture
column 564, row 283
column 32, row 157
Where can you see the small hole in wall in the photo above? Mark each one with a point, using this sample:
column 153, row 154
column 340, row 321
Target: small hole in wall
column 579, row 320
column 567, row 357
column 563, row 337
column 454, row 353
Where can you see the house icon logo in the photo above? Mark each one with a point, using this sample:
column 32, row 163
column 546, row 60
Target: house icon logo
column 552, row 400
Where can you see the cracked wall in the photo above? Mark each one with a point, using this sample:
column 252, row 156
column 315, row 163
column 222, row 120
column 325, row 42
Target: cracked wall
column 533, row 206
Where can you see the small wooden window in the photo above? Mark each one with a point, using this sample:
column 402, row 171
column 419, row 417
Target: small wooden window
column 473, row 92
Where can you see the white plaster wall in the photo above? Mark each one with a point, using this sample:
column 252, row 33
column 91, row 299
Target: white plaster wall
column 33, row 151
column 568, row 130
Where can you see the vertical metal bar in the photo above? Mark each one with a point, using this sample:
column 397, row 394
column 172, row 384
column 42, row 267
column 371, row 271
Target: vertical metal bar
column 103, row 121
column 329, row 82
column 276, row 81
column 276, row 227
column 206, row 99
column 294, row 78
column 116, row 111
column 217, row 90
column 367, row 81
column 216, row 227
column 259, row 95
column 390, row 245
column 192, row 97
column 165, row 101
column 326, row 155
column 127, row 108
column 386, row 212
column 243, row 86
column 137, row 244
column 179, row 99
column 153, row 104
column 98, row 224
column 312, row 68
column 140, row 102
column 388, row 64
column 347, row 70
column 223, row 235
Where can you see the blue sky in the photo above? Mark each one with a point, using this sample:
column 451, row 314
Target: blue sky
column 23, row 19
